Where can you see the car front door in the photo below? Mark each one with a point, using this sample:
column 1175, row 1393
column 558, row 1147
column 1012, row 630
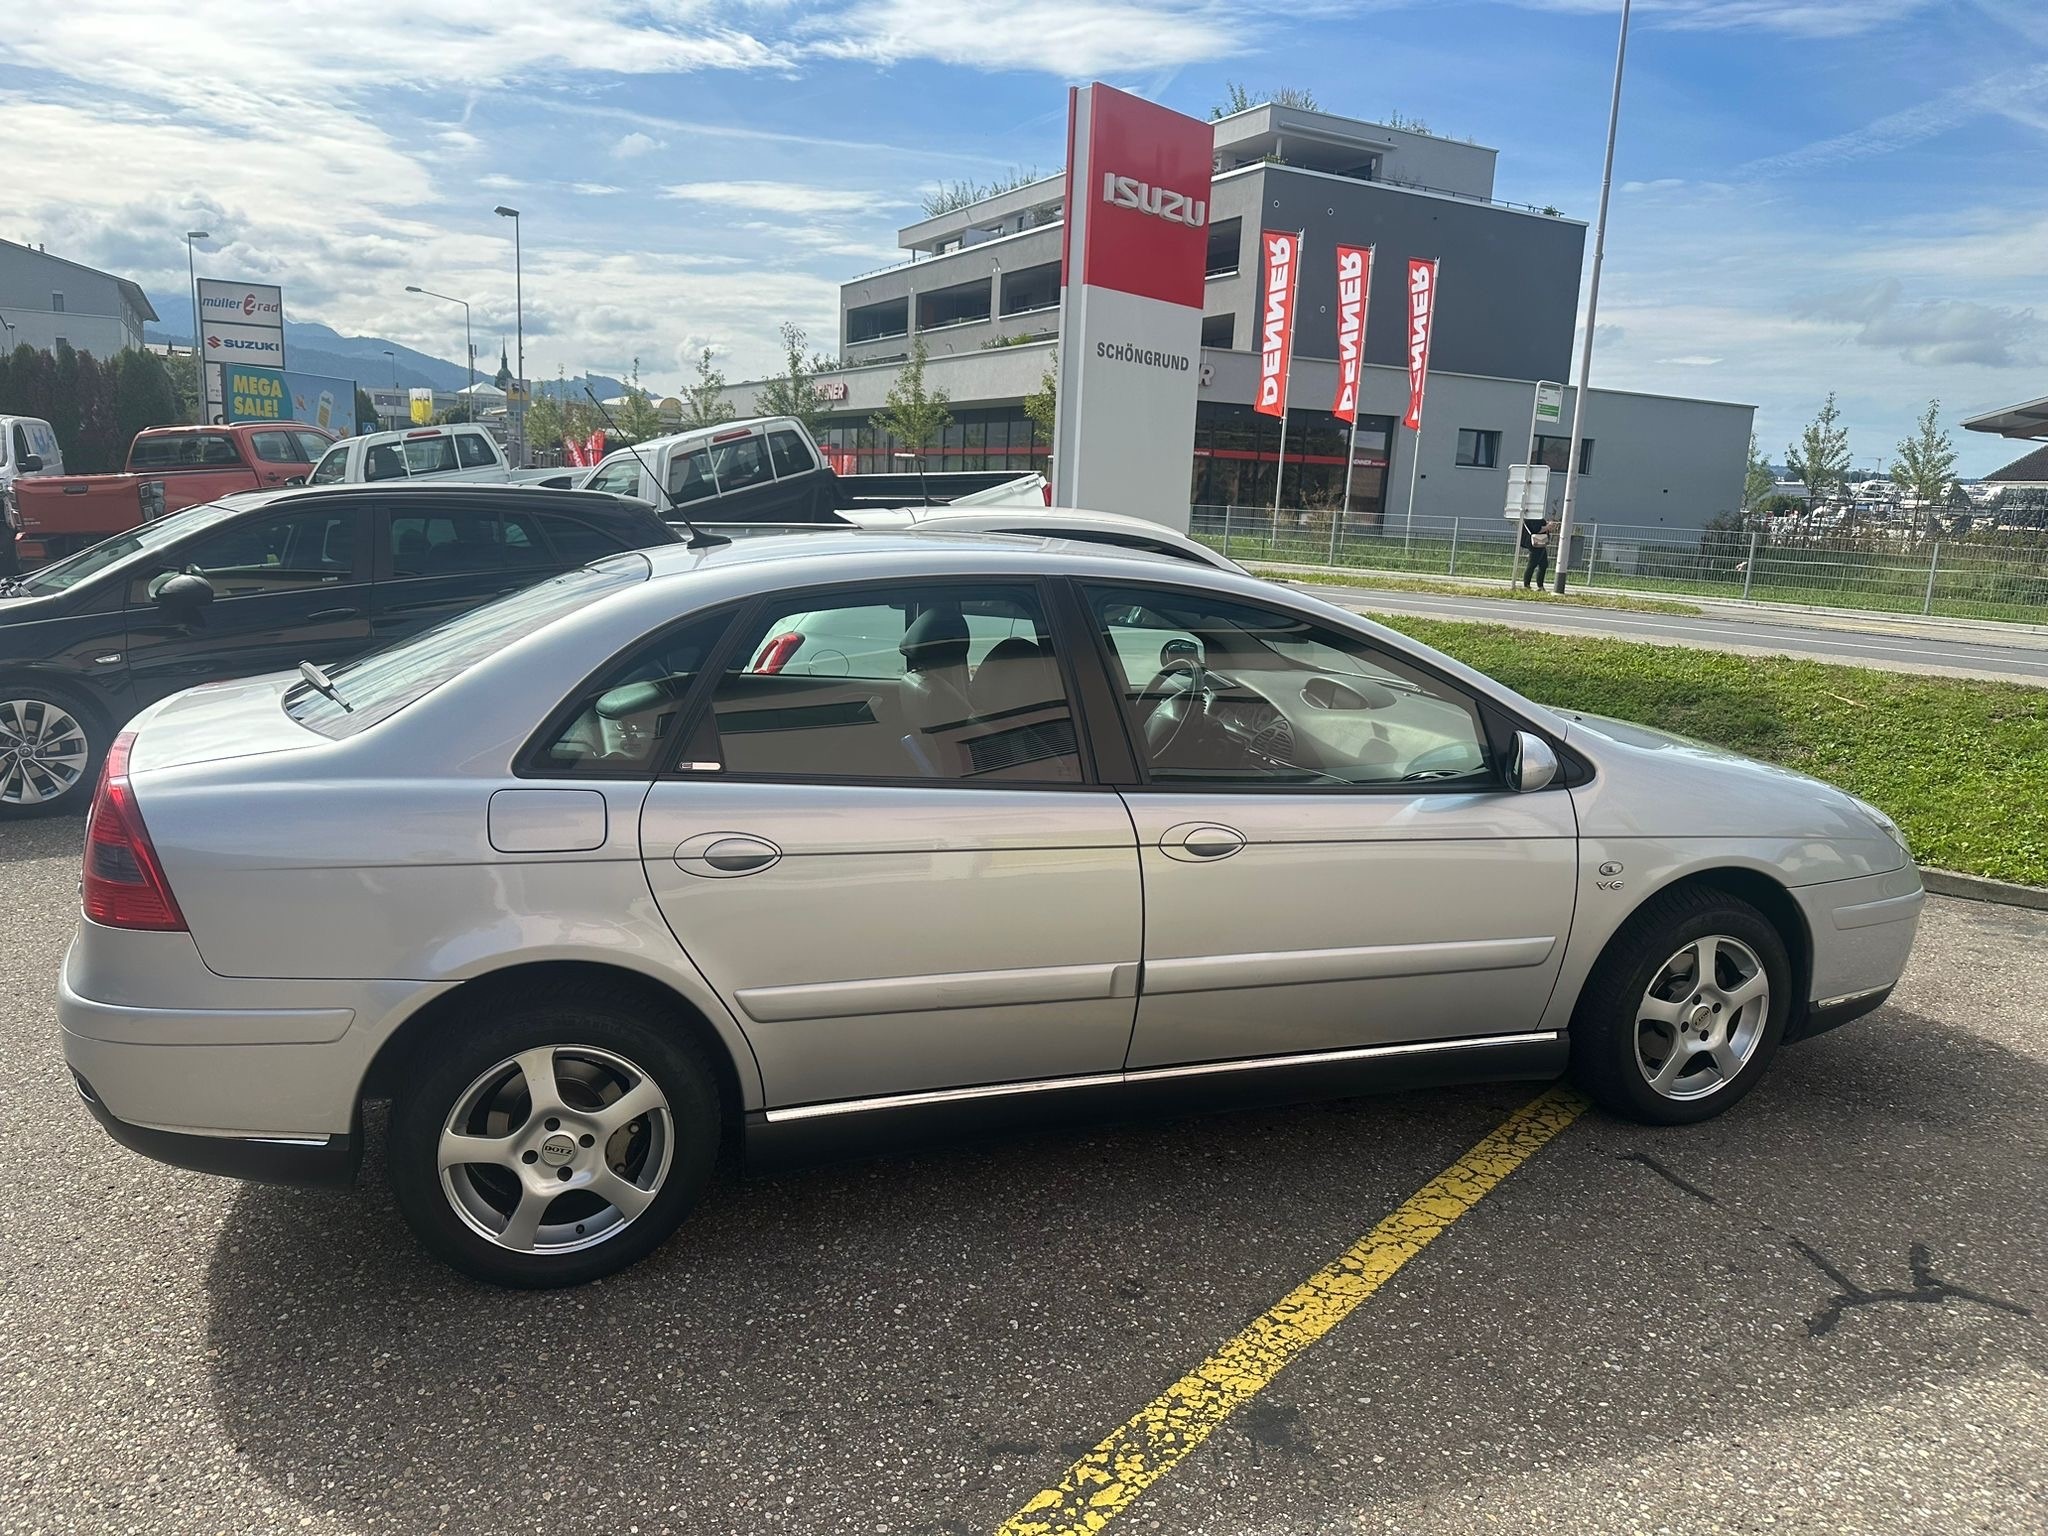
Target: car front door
column 438, row 558
column 290, row 583
column 1331, row 858
column 883, row 848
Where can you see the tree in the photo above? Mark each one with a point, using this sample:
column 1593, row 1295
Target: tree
column 143, row 395
column 794, row 391
column 1821, row 456
column 704, row 402
column 913, row 414
column 638, row 419
column 1043, row 403
column 366, row 411
column 1758, row 479
column 1925, row 465
column 546, row 423
column 948, row 196
column 1238, row 98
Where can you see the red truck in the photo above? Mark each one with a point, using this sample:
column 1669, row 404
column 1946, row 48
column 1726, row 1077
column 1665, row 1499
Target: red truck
column 169, row 468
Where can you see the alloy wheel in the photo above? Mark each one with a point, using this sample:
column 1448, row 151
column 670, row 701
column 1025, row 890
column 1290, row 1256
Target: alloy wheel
column 1702, row 1017
column 43, row 752
column 556, row 1149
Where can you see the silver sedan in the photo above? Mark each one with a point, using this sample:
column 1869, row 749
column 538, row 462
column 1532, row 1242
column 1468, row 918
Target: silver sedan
column 839, row 836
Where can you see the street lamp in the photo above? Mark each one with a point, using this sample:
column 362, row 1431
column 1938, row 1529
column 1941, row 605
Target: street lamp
column 923, row 495
column 192, row 278
column 469, row 345
column 394, row 366
column 519, row 323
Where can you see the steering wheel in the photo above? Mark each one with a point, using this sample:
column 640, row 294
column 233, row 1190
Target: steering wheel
column 1183, row 684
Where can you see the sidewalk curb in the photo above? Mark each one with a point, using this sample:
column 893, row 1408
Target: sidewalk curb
column 1942, row 882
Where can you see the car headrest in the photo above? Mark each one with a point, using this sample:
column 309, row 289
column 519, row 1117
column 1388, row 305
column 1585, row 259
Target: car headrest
column 1016, row 674
column 937, row 638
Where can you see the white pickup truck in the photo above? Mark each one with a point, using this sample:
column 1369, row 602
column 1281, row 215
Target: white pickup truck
column 422, row 453
column 766, row 469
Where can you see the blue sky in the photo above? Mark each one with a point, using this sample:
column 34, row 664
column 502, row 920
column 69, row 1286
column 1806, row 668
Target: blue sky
column 1811, row 195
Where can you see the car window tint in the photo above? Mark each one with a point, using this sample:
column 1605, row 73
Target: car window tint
column 1231, row 694
column 330, row 469
column 689, row 476
column 740, row 463
column 621, row 479
column 956, row 683
column 473, row 449
column 791, row 454
column 624, row 723
column 311, row 446
column 275, row 447
column 576, row 542
column 186, row 450
column 458, row 543
column 383, row 461
column 430, row 455
column 281, row 552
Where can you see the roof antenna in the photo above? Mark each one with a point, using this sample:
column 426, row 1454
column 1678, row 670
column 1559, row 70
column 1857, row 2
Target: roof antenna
column 698, row 538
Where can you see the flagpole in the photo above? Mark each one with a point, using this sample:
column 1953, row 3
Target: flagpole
column 1287, row 378
column 1358, row 389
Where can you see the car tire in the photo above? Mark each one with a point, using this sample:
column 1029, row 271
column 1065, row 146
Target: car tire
column 37, row 715
column 1652, row 1042
column 561, row 1192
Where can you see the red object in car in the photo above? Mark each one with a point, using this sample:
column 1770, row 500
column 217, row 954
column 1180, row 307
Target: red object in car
column 124, row 884
column 776, row 653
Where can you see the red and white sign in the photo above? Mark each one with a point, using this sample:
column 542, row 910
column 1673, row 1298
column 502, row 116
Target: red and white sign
column 1280, row 280
column 1132, row 271
column 1421, row 326
column 1354, row 292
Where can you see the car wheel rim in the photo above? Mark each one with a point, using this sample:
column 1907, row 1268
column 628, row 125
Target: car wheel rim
column 1700, row 1021
column 557, row 1149
column 43, row 752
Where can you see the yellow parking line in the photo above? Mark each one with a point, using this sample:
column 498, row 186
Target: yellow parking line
column 1152, row 1442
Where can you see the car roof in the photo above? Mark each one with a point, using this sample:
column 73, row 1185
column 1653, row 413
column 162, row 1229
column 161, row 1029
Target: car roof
column 701, row 436
column 835, row 554
column 434, row 429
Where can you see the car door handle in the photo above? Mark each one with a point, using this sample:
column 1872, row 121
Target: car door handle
column 333, row 613
column 1200, row 842
column 717, row 855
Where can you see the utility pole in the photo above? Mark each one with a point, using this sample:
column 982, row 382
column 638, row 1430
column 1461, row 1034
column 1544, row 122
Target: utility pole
column 198, row 357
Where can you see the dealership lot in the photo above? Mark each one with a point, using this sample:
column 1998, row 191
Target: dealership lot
column 1719, row 1328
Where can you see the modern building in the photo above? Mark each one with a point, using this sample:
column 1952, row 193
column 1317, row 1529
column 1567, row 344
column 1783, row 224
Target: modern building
column 45, row 300
column 982, row 288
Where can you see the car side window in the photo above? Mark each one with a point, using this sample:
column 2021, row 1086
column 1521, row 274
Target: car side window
column 383, row 461
column 462, row 543
column 284, row 552
column 741, row 463
column 689, row 477
column 330, row 470
column 1233, row 695
column 621, row 479
column 791, row 455
column 311, row 446
column 625, row 723
column 955, row 683
column 274, row 447
column 473, row 451
column 430, row 455
column 185, row 450
column 576, row 541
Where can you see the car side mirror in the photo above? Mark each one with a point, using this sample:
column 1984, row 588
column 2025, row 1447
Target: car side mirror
column 31, row 462
column 294, row 479
column 184, row 596
column 1534, row 765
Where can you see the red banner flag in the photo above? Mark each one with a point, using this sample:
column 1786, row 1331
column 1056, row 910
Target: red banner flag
column 593, row 447
column 574, row 450
column 1276, row 318
column 1421, row 325
column 1354, row 290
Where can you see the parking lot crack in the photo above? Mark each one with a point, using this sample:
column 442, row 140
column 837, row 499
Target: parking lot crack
column 1927, row 1289
column 1664, row 1173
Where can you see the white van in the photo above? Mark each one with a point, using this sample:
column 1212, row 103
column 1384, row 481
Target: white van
column 28, row 447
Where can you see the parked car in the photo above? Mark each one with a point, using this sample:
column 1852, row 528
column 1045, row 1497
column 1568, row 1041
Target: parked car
column 452, row 453
column 169, row 469
column 1112, row 528
column 587, row 891
column 259, row 583
column 28, row 449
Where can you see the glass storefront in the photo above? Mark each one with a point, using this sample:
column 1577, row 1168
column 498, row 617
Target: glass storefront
column 994, row 438
column 1237, row 449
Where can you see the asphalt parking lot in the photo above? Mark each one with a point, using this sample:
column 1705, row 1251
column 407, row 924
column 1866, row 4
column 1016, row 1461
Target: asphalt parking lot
column 1825, row 1312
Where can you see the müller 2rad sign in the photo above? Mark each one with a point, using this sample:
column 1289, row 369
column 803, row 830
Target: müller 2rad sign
column 241, row 325
column 1131, row 305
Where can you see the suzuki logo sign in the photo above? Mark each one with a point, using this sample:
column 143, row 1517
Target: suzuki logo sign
column 1178, row 207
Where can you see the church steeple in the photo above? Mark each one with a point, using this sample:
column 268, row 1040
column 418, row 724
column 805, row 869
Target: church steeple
column 504, row 377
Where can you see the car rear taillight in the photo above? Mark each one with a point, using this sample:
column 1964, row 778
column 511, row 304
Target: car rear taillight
column 124, row 885
column 776, row 653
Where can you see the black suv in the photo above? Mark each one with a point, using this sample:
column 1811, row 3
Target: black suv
column 258, row 583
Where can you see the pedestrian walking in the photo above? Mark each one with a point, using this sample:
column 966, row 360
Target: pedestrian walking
column 1536, row 536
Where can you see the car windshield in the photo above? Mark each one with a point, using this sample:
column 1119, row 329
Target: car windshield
column 108, row 553
column 380, row 685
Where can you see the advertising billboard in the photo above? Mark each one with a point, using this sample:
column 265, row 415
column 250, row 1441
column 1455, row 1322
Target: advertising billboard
column 275, row 394
column 240, row 324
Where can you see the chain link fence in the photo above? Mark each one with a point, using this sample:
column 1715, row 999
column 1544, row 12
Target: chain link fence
column 1994, row 574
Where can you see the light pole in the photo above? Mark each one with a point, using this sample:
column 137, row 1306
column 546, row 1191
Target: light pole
column 1578, row 437
column 468, row 345
column 923, row 495
column 519, row 324
column 394, row 366
column 198, row 357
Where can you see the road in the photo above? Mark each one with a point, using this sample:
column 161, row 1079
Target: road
column 1724, row 630
column 1715, row 1329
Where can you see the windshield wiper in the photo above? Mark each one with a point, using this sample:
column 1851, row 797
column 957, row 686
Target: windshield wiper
column 324, row 684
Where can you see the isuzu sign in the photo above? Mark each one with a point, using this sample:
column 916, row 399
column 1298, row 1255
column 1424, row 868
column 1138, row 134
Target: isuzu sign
column 1132, row 274
column 1421, row 323
column 1282, row 271
column 1354, row 291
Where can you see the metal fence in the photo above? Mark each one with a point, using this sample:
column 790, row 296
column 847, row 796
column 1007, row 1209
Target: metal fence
column 2001, row 575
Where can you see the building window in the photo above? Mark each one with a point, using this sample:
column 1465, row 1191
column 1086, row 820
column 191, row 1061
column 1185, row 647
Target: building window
column 875, row 322
column 1478, row 450
column 1219, row 331
column 56, row 303
column 1555, row 450
column 1033, row 288
column 962, row 304
column 1225, row 239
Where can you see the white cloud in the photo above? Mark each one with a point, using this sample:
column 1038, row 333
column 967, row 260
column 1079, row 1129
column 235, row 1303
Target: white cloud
column 1797, row 18
column 1690, row 360
column 1070, row 38
column 635, row 144
column 594, row 189
column 1935, row 332
column 774, row 196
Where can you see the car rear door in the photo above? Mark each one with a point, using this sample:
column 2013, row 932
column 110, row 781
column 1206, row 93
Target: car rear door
column 1331, row 860
column 889, row 855
column 439, row 557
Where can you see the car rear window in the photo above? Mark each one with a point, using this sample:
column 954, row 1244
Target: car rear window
column 186, row 450
column 430, row 455
column 380, row 685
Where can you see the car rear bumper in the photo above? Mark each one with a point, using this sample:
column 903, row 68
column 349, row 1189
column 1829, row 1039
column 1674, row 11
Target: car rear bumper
column 263, row 1159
